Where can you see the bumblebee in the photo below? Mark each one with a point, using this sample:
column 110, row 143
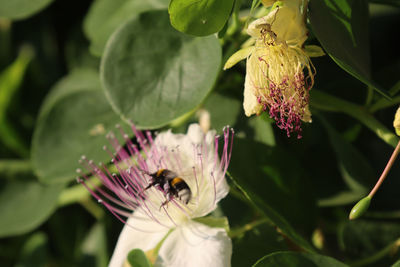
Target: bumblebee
column 172, row 185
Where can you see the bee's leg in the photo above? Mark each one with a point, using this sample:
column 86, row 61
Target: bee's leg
column 150, row 185
column 168, row 196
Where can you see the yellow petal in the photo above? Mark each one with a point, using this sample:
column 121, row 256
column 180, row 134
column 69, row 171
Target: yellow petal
column 314, row 51
column 268, row 3
column 250, row 103
column 238, row 56
column 285, row 22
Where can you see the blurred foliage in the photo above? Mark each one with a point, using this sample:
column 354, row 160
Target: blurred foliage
column 71, row 71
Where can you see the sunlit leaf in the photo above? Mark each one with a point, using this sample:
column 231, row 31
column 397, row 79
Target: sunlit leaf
column 25, row 204
column 105, row 16
column 153, row 74
column 199, row 17
column 224, row 110
column 73, row 121
column 21, row 9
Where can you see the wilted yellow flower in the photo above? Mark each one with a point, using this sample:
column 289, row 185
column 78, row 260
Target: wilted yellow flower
column 279, row 72
column 268, row 3
column 396, row 122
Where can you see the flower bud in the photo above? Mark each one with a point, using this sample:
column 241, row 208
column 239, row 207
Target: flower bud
column 360, row 208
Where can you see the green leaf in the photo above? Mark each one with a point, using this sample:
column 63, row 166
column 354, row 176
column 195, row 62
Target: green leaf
column 394, row 3
column 25, row 204
column 263, row 130
column 21, row 9
column 94, row 247
column 34, row 252
column 137, row 258
column 199, row 17
column 341, row 27
column 296, row 259
column 73, row 121
column 153, row 74
column 224, row 110
column 105, row 16
column 261, row 240
column 365, row 239
column 357, row 173
column 10, row 81
column 280, row 192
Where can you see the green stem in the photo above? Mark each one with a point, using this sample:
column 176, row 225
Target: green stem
column 11, row 167
column 235, row 19
column 244, row 193
column 383, row 214
column 370, row 94
column 326, row 102
column 305, row 6
column 377, row 256
column 76, row 193
column 92, row 207
column 384, row 103
column 386, row 170
column 247, row 227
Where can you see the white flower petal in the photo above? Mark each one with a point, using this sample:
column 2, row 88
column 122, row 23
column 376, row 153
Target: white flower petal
column 195, row 244
column 207, row 184
column 130, row 238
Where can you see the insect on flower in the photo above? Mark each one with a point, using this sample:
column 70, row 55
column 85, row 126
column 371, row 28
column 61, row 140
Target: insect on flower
column 161, row 184
column 171, row 184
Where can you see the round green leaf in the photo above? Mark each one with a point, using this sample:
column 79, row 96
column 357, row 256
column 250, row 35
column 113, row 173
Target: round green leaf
column 20, row 9
column 295, row 259
column 199, row 18
column 153, row 74
column 25, row 204
column 73, row 122
column 105, row 16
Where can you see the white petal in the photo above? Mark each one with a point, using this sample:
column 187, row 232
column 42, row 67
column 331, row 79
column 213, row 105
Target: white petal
column 131, row 238
column 196, row 245
column 207, row 185
column 195, row 134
